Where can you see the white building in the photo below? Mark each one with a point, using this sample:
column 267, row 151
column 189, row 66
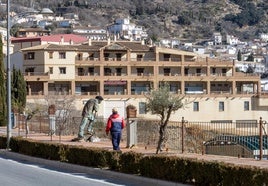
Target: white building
column 231, row 40
column 3, row 32
column 126, row 30
column 93, row 33
column 259, row 68
column 217, row 37
column 264, row 85
column 170, row 43
column 264, row 37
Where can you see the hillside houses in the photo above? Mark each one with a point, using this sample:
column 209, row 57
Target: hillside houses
column 215, row 48
column 93, row 33
column 122, row 28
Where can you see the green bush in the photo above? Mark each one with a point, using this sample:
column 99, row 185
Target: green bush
column 130, row 162
column 3, row 142
column 169, row 168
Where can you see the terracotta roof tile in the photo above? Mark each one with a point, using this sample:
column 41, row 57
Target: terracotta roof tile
column 67, row 38
column 53, row 47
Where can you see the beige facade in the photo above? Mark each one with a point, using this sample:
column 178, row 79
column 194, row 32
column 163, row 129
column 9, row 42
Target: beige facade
column 125, row 71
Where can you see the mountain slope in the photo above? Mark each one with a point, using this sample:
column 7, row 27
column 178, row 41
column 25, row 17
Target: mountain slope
column 183, row 19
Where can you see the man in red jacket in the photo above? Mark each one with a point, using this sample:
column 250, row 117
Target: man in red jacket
column 115, row 124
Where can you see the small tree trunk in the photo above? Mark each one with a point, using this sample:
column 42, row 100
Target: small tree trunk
column 162, row 130
column 161, row 138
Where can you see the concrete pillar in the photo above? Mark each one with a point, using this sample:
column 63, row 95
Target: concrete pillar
column 128, row 87
column 72, row 88
column 182, row 87
column 45, row 85
column 234, row 88
column 208, row 88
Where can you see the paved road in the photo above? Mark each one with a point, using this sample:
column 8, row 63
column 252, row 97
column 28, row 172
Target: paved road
column 17, row 169
column 24, row 174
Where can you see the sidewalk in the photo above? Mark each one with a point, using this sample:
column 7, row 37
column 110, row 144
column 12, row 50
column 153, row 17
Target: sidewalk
column 107, row 144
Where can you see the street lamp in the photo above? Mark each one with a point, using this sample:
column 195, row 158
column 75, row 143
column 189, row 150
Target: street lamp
column 8, row 78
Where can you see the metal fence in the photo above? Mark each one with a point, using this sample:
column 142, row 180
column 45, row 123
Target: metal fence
column 240, row 138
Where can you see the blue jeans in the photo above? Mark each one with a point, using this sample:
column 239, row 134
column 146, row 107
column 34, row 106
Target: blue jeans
column 82, row 126
column 116, row 138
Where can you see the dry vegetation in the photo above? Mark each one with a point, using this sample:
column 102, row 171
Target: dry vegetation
column 183, row 19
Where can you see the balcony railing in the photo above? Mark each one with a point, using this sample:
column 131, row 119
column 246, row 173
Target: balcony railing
column 221, row 92
column 87, row 93
column 36, row 76
column 38, row 93
column 187, row 61
column 115, row 74
column 59, row 93
column 87, row 74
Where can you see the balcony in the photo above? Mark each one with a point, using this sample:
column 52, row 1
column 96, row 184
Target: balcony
column 115, row 74
column 85, row 93
column 86, row 76
column 221, row 92
column 169, row 76
column 36, row 76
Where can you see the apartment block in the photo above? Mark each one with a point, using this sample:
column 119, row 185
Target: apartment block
column 123, row 71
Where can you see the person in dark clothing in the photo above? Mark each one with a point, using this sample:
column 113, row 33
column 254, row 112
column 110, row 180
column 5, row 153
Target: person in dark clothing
column 115, row 124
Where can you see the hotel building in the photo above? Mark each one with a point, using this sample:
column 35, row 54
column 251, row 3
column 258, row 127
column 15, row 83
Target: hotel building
column 123, row 71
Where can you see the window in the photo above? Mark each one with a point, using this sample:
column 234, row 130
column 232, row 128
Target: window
column 80, row 71
column 198, row 71
column 142, row 108
column 221, row 106
column 62, row 70
column 118, row 71
column 106, row 56
column 246, row 105
column 196, row 106
column 186, row 71
column 50, row 70
column 118, row 57
column 50, row 55
column 29, row 55
column 91, row 56
column 29, row 70
column 80, row 56
column 140, row 71
column 91, row 71
column 62, row 55
column 166, row 57
column 139, row 57
column 107, row 72
column 213, row 70
column 223, row 71
column 166, row 71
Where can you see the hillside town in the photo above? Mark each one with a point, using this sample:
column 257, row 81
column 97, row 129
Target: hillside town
column 224, row 78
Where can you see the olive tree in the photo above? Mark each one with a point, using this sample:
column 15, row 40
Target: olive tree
column 162, row 103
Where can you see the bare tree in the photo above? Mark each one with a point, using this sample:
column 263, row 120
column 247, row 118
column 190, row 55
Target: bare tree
column 64, row 107
column 162, row 102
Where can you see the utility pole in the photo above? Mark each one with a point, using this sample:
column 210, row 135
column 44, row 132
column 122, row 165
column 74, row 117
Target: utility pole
column 8, row 77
